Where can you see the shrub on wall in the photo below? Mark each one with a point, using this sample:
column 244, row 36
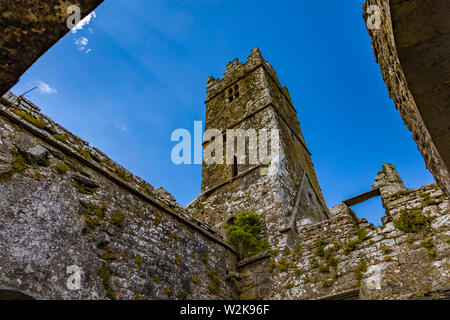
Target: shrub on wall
column 411, row 221
column 245, row 234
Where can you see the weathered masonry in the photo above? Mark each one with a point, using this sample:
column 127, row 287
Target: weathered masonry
column 412, row 48
column 68, row 212
column 65, row 206
column 346, row 257
column 249, row 96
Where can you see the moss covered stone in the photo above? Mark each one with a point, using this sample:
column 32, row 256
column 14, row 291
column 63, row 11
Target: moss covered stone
column 117, row 218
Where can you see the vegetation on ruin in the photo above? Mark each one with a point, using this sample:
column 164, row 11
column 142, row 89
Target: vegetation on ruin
column 99, row 211
column 82, row 189
column 386, row 250
column 431, row 250
column 124, row 175
column 411, row 221
column 157, row 220
column 399, row 194
column 409, row 239
column 289, row 285
column 327, row 283
column 330, row 259
column 37, row 176
column 324, row 268
column 178, row 259
column 297, row 251
column 245, row 234
column 272, row 264
column 94, row 215
column 351, row 245
column 60, row 137
column 117, row 218
column 168, row 292
column 108, row 255
column 105, row 275
column 19, row 165
column 214, row 287
column 86, row 153
column 138, row 260
column 314, row 263
column 298, row 272
column 320, row 251
column 283, row 265
column 205, row 257
column 427, row 200
column 37, row 122
column 61, row 168
column 359, row 269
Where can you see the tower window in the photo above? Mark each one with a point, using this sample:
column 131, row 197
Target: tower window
column 233, row 93
column 235, row 167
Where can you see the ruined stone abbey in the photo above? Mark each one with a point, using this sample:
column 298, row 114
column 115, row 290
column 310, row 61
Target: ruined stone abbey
column 65, row 207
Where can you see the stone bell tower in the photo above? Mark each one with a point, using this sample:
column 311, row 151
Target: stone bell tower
column 285, row 192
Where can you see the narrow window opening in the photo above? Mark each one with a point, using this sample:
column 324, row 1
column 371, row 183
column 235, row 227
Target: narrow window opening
column 235, row 167
column 236, row 90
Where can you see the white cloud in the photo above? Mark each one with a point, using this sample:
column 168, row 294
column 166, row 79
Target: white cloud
column 122, row 127
column 80, row 25
column 81, row 43
column 45, row 88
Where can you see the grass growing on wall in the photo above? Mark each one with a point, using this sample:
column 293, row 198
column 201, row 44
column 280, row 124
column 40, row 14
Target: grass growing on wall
column 245, row 234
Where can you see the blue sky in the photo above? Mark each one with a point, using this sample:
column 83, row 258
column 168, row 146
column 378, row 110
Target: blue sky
column 137, row 72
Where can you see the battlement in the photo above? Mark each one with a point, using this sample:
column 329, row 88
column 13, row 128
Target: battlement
column 236, row 70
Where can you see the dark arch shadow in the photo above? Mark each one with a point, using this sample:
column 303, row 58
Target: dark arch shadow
column 13, row 295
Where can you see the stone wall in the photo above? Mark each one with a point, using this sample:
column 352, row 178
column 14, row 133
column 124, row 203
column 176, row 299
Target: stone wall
column 347, row 257
column 63, row 203
column 386, row 55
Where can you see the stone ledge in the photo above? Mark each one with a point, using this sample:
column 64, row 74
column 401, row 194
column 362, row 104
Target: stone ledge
column 257, row 257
